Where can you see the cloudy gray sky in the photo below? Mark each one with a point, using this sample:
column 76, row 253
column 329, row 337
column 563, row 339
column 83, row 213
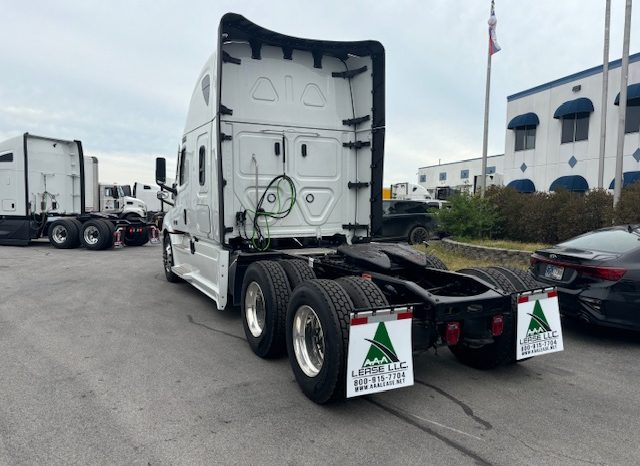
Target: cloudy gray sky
column 118, row 74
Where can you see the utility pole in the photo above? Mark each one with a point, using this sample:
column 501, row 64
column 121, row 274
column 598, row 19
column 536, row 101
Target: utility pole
column 605, row 89
column 624, row 75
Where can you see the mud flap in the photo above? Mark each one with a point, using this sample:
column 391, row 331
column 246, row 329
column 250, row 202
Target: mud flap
column 539, row 330
column 380, row 354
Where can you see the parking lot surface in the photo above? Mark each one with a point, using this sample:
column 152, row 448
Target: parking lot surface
column 104, row 362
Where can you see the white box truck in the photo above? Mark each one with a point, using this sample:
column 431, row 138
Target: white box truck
column 43, row 194
column 278, row 192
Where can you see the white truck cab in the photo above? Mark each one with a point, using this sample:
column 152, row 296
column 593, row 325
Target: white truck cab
column 283, row 146
column 114, row 200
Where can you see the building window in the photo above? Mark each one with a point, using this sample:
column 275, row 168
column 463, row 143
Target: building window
column 423, row 178
column 525, row 138
column 575, row 128
column 491, row 170
column 201, row 165
column 443, row 176
column 632, row 122
column 464, row 174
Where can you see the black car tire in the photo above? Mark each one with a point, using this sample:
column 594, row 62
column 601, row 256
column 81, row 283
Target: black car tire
column 331, row 306
column 64, row 234
column 297, row 271
column 418, row 235
column 272, row 283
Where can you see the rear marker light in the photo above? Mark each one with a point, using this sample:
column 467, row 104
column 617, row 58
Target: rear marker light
column 497, row 325
column 452, row 334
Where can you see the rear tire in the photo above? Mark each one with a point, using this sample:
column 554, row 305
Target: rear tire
column 96, row 235
column 318, row 338
column 363, row 293
column 265, row 296
column 502, row 350
column 297, row 271
column 64, row 234
column 418, row 235
column 434, row 262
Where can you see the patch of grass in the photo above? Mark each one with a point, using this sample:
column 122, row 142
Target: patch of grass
column 504, row 244
column 460, row 261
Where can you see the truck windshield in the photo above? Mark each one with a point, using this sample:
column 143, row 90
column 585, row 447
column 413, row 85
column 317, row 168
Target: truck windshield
column 120, row 191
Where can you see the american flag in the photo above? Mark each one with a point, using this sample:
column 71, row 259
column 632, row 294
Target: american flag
column 493, row 40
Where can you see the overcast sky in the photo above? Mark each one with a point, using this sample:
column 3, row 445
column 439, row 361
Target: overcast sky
column 118, row 75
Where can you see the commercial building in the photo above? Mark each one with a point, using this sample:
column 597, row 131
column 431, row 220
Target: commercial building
column 553, row 132
column 462, row 175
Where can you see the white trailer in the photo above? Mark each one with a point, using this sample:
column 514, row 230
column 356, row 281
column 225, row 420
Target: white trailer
column 409, row 191
column 43, row 194
column 149, row 195
column 278, row 193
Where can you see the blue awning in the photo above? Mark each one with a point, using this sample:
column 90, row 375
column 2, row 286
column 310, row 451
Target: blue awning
column 633, row 95
column 527, row 119
column 574, row 183
column 627, row 179
column 573, row 107
column 522, row 186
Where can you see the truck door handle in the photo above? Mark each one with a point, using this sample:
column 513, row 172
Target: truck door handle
column 276, row 148
column 303, row 149
column 184, row 211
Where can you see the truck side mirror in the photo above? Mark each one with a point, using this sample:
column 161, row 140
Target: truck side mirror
column 161, row 170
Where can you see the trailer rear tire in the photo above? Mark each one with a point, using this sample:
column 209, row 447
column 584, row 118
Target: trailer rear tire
column 265, row 296
column 363, row 293
column 297, row 271
column 64, row 234
column 318, row 338
column 521, row 279
column 167, row 261
column 502, row 350
column 434, row 262
column 96, row 235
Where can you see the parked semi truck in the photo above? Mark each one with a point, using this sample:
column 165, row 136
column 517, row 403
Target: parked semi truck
column 42, row 194
column 278, row 193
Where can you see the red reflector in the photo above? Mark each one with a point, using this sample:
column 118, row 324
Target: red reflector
column 359, row 320
column 497, row 325
column 405, row 315
column 523, row 299
column 130, row 230
column 552, row 294
column 452, row 335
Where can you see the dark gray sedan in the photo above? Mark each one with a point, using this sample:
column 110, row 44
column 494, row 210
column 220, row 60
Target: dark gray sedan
column 597, row 275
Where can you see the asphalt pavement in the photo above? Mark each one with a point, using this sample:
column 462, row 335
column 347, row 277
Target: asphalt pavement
column 104, row 362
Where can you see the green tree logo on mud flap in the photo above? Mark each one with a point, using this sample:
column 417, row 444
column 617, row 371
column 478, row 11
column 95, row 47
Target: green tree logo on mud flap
column 381, row 350
column 538, row 322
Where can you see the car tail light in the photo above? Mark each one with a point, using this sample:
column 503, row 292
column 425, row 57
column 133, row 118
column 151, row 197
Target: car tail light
column 497, row 325
column 452, row 334
column 603, row 273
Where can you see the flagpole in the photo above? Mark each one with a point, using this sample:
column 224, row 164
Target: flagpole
column 485, row 135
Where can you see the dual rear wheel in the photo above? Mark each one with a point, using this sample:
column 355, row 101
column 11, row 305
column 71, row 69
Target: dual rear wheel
column 68, row 233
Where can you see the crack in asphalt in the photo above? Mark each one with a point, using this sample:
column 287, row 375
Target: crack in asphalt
column 409, row 419
column 465, row 407
column 217, row 330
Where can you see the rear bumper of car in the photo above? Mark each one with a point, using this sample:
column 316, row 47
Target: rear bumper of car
column 600, row 306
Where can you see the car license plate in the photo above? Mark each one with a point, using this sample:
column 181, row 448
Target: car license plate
column 554, row 272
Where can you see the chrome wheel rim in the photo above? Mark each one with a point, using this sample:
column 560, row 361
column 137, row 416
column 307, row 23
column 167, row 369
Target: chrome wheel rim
column 59, row 234
column 254, row 309
column 168, row 256
column 91, row 235
column 308, row 341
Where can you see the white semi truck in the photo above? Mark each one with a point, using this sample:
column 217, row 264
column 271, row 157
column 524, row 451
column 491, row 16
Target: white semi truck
column 278, row 193
column 43, row 194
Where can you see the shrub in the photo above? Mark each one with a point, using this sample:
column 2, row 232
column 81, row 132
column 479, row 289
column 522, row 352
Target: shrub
column 469, row 216
column 628, row 208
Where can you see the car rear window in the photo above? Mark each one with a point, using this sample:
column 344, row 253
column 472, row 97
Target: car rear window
column 617, row 241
